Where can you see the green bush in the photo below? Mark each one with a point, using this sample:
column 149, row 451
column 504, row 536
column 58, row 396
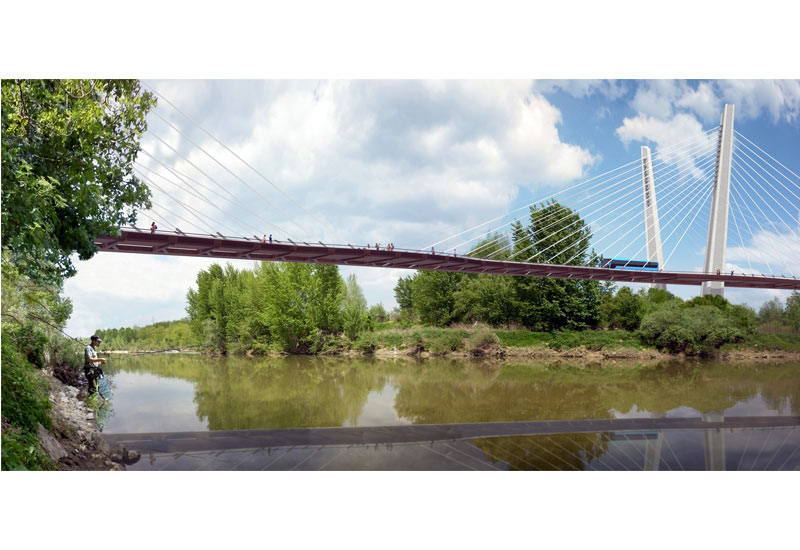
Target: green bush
column 30, row 341
column 24, row 396
column 366, row 342
column 445, row 342
column 482, row 339
column 698, row 329
column 21, row 451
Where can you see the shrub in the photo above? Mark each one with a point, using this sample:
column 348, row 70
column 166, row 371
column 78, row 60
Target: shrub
column 691, row 330
column 482, row 339
column 445, row 342
column 366, row 342
column 21, row 451
column 24, row 398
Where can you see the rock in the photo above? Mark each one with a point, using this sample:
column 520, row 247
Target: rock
column 132, row 457
column 50, row 444
column 116, row 456
column 101, row 444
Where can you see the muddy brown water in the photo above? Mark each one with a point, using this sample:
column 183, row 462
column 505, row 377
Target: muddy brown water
column 168, row 393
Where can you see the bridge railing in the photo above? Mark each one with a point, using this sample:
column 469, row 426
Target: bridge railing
column 254, row 238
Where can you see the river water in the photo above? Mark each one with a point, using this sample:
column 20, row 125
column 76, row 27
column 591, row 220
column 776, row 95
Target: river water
column 166, row 393
column 192, row 393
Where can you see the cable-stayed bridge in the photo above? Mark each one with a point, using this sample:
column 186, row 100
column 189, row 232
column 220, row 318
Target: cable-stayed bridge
column 718, row 193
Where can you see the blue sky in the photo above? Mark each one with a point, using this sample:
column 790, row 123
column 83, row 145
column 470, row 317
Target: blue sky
column 412, row 162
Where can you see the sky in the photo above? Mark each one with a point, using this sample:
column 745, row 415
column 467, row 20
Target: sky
column 413, row 162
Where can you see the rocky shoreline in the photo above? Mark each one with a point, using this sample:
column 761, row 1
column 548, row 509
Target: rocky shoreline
column 75, row 442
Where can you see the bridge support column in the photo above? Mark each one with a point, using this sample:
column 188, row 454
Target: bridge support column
column 714, row 443
column 652, row 228
column 718, row 221
column 652, row 452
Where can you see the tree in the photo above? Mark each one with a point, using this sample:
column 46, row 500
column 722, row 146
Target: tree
column 625, row 310
column 68, row 148
column 771, row 311
column 378, row 313
column 555, row 234
column 432, row 293
column 355, row 317
column 792, row 311
column 403, row 293
column 486, row 298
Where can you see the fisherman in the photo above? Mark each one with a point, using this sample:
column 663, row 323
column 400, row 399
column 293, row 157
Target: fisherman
column 90, row 362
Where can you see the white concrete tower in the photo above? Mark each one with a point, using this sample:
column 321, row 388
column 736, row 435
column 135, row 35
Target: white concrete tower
column 718, row 221
column 652, row 228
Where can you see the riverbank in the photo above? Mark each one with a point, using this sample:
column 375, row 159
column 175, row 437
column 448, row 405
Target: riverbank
column 389, row 340
column 75, row 441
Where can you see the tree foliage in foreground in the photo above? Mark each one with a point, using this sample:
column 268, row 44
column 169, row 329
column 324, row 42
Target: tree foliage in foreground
column 68, row 148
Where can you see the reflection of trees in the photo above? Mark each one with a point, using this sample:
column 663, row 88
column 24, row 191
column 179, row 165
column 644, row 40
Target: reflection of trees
column 279, row 392
column 302, row 391
column 545, row 452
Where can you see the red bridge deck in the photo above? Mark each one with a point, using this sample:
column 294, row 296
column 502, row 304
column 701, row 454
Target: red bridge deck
column 226, row 248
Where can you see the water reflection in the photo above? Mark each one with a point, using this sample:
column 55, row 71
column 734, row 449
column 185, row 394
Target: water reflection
column 190, row 393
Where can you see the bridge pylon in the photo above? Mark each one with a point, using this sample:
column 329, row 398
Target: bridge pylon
column 652, row 228
column 720, row 200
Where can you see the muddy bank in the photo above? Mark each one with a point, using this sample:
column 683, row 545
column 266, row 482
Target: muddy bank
column 75, row 442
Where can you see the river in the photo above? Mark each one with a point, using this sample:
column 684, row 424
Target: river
column 194, row 393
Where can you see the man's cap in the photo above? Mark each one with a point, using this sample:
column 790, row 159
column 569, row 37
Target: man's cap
column 96, row 337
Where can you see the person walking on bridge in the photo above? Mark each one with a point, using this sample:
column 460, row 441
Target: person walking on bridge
column 153, row 228
column 90, row 362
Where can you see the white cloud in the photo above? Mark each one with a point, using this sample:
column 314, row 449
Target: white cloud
column 702, row 101
column 780, row 99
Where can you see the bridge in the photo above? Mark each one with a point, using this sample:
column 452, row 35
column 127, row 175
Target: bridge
column 138, row 241
column 719, row 172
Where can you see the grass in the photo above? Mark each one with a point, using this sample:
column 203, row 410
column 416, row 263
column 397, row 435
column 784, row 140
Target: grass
column 767, row 341
column 562, row 340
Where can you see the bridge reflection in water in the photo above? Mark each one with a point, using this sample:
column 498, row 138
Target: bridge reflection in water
column 707, row 443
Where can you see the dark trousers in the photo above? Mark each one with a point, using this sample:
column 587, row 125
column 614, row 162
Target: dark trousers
column 92, row 374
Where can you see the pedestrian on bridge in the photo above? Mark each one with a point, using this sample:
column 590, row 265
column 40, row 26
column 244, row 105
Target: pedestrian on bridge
column 153, row 228
column 270, row 238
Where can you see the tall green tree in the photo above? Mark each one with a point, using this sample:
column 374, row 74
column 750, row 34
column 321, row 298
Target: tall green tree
column 433, row 296
column 68, row 148
column 355, row 315
column 792, row 311
column 555, row 234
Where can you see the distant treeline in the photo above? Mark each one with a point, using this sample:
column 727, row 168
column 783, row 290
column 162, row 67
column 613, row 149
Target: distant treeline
column 158, row 336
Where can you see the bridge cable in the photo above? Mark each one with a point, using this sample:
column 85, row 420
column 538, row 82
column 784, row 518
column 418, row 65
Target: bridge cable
column 195, row 193
column 190, row 119
column 216, row 182
column 665, row 224
column 604, row 197
column 700, row 208
column 209, row 155
column 770, row 156
column 688, row 206
column 638, row 161
column 778, row 234
column 675, row 200
column 637, row 175
column 760, row 249
column 749, row 173
column 194, row 211
column 625, row 214
column 741, row 240
column 199, row 215
column 635, row 197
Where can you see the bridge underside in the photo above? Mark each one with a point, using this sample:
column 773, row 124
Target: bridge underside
column 226, row 248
